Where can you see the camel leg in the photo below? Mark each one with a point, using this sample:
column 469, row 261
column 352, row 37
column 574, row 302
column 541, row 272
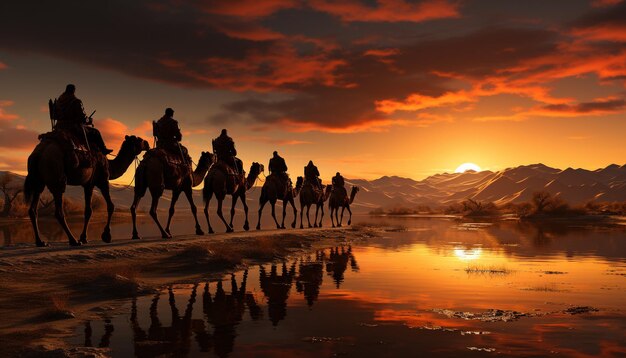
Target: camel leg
column 60, row 216
column 133, row 214
column 232, row 209
column 221, row 215
column 301, row 214
column 261, row 205
column 322, row 215
column 308, row 219
column 295, row 213
column 156, row 195
column 273, row 204
column 282, row 225
column 317, row 209
column 88, row 191
column 341, row 219
column 175, row 196
column 206, row 211
column 194, row 210
column 32, row 213
column 246, row 225
column 349, row 212
column 104, row 190
column 332, row 218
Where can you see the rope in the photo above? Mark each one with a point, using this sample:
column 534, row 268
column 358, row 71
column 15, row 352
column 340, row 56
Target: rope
column 132, row 180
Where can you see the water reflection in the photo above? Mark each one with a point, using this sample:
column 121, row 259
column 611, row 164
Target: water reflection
column 396, row 299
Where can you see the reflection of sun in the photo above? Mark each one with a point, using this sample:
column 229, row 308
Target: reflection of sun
column 469, row 254
column 467, row 166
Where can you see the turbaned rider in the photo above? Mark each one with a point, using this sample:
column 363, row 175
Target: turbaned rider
column 224, row 148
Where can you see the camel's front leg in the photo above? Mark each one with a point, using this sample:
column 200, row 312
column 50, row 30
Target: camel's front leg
column 295, row 212
column 104, row 190
column 194, row 210
column 322, row 215
column 273, row 204
column 261, row 205
column 350, row 217
column 133, row 214
column 221, row 215
column 308, row 219
column 207, row 200
column 332, row 218
column 156, row 195
column 301, row 215
column 88, row 191
column 33, row 213
column 246, row 224
column 60, row 216
column 175, row 196
column 232, row 209
column 341, row 219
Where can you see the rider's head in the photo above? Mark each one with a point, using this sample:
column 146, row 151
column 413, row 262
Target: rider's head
column 70, row 89
column 275, row 153
column 169, row 112
column 338, row 174
column 310, row 162
column 224, row 132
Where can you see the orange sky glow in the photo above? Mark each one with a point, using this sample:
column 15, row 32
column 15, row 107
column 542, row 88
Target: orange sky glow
column 366, row 88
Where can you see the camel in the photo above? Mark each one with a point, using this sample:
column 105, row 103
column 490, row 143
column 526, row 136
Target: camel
column 339, row 199
column 217, row 182
column 47, row 168
column 310, row 196
column 273, row 190
column 151, row 174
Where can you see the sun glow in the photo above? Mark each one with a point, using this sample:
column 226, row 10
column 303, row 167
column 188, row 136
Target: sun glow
column 467, row 166
column 468, row 254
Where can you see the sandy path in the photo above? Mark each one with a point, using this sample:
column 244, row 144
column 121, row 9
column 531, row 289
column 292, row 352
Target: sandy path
column 42, row 287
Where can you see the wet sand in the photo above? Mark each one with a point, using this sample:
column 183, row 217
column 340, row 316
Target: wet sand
column 46, row 291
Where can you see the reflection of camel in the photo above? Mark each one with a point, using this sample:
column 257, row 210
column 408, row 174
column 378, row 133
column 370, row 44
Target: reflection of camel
column 310, row 277
column 310, row 196
column 339, row 199
column 159, row 340
column 276, row 288
column 151, row 174
column 105, row 340
column 338, row 263
column 47, row 168
column 220, row 183
column 274, row 189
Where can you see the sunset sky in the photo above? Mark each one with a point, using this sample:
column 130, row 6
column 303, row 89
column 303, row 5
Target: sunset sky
column 364, row 87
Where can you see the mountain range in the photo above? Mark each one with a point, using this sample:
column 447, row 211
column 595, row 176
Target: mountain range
column 511, row 185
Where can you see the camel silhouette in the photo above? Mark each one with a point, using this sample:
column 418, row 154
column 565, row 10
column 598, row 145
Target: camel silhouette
column 220, row 183
column 339, row 199
column 47, row 168
column 310, row 196
column 152, row 174
column 276, row 189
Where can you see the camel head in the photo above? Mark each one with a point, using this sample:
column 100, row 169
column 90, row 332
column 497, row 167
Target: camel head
column 206, row 159
column 299, row 182
column 256, row 169
column 135, row 145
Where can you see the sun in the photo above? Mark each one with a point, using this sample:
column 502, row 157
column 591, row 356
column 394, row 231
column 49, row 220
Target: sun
column 467, row 166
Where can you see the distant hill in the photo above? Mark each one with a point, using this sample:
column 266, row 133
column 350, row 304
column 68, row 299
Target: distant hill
column 511, row 185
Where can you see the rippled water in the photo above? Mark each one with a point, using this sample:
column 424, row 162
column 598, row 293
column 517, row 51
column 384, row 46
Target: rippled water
column 428, row 287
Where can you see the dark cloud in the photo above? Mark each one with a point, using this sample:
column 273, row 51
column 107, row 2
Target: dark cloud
column 598, row 106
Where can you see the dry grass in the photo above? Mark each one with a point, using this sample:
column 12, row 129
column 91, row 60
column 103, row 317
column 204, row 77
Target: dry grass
column 109, row 280
column 487, row 270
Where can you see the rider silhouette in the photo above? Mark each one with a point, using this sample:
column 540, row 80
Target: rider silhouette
column 311, row 175
column 70, row 116
column 224, row 148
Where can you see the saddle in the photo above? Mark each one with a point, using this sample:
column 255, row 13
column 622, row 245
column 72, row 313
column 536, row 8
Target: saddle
column 173, row 162
column 284, row 180
column 234, row 178
column 78, row 154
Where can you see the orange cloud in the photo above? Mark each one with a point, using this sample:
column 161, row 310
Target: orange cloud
column 4, row 115
column 416, row 102
column 608, row 32
column 388, row 10
column 113, row 131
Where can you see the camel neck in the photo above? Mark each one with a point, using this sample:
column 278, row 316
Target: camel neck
column 199, row 173
column 118, row 166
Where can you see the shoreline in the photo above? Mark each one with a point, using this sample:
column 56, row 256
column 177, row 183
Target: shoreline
column 48, row 291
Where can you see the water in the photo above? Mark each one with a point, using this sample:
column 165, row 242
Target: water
column 401, row 295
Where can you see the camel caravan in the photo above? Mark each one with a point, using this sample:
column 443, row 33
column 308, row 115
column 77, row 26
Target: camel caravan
column 74, row 153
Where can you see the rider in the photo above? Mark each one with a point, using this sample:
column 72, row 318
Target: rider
column 278, row 166
column 311, row 175
column 338, row 182
column 224, row 148
column 71, row 117
column 169, row 136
